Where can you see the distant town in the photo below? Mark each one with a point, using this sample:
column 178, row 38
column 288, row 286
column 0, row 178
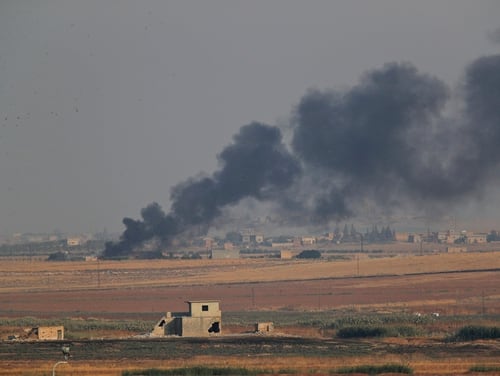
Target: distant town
column 250, row 243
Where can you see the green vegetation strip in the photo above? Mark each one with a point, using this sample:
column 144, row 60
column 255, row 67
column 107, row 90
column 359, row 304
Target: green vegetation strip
column 473, row 332
column 378, row 331
column 375, row 370
column 484, row 368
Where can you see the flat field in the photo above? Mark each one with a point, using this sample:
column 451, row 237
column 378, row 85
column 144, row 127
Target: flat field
column 453, row 285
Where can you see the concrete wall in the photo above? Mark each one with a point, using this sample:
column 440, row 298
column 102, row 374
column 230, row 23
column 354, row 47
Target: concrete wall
column 204, row 308
column 264, row 327
column 50, row 332
column 202, row 320
column 200, row 326
column 165, row 326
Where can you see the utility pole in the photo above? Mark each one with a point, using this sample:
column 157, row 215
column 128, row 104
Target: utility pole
column 357, row 256
column 483, row 308
column 98, row 274
column 357, row 265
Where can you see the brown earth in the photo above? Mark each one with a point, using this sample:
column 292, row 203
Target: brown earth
column 444, row 283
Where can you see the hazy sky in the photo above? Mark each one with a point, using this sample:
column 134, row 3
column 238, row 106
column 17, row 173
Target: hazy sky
column 105, row 105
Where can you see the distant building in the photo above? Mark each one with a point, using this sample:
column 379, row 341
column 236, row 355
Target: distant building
column 308, row 240
column 441, row 236
column 282, row 244
column 46, row 333
column 259, row 239
column 477, row 238
column 401, row 236
column 286, row 254
column 249, row 236
column 264, row 327
column 74, row 241
column 203, row 320
column 453, row 236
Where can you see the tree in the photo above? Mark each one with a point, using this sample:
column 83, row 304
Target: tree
column 309, row 254
column 58, row 256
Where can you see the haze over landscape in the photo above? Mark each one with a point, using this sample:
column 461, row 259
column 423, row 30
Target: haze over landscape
column 324, row 111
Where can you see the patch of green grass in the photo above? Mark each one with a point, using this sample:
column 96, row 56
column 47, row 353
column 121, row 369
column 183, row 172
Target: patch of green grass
column 484, row 368
column 375, row 370
column 287, row 371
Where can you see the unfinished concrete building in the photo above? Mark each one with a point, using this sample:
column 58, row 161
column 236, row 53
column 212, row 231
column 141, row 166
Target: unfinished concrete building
column 202, row 320
column 46, row 333
column 263, row 327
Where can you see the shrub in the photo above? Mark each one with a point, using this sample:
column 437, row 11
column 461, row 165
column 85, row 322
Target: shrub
column 484, row 368
column 57, row 256
column 375, row 370
column 471, row 333
column 309, row 254
column 362, row 332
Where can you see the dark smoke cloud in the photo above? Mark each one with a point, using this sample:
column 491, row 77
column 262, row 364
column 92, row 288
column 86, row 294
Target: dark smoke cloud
column 154, row 224
column 362, row 133
column 482, row 87
column 386, row 139
column 257, row 164
column 367, row 138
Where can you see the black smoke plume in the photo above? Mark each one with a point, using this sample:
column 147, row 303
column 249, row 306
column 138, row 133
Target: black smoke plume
column 365, row 138
column 257, row 164
column 389, row 139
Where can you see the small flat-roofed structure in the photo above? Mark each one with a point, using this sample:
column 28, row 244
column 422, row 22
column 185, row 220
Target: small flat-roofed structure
column 202, row 320
column 47, row 333
column 264, row 327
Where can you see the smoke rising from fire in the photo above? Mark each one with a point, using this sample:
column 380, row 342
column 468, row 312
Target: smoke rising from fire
column 388, row 138
column 257, row 164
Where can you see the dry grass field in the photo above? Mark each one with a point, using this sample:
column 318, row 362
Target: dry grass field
column 446, row 282
column 451, row 284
